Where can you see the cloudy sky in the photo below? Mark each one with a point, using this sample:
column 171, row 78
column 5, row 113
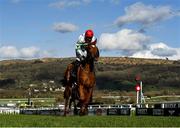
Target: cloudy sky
column 50, row 28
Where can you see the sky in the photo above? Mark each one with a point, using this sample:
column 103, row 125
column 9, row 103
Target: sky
column 123, row 28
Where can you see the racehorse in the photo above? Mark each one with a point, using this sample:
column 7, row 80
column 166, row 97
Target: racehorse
column 82, row 90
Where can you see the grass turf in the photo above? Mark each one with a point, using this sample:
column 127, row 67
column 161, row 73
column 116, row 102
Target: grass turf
column 87, row 121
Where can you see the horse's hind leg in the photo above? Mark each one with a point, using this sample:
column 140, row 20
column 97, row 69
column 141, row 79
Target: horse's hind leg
column 70, row 102
column 65, row 107
column 67, row 94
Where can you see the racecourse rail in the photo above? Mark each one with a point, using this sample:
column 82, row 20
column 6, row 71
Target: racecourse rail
column 161, row 109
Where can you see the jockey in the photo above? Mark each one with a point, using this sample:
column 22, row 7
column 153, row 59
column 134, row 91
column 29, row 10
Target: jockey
column 81, row 53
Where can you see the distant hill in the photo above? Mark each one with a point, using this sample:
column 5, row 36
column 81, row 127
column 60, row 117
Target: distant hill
column 112, row 73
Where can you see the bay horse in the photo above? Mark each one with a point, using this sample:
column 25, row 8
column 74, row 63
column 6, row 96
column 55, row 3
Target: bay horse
column 82, row 90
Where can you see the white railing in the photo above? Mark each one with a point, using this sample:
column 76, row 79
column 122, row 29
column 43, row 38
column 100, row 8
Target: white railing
column 5, row 110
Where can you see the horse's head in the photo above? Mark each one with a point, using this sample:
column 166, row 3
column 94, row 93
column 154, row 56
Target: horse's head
column 92, row 52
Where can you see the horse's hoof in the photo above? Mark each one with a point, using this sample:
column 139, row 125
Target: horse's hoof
column 75, row 112
column 82, row 113
column 86, row 113
column 64, row 114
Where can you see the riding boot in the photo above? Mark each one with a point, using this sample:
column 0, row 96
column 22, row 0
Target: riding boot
column 75, row 68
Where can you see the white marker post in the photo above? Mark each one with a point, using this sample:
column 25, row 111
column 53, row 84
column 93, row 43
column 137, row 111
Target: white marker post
column 138, row 88
column 137, row 97
column 141, row 94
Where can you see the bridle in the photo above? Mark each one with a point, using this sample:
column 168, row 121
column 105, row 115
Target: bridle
column 90, row 57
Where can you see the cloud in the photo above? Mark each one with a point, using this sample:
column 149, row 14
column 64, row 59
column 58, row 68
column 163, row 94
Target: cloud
column 8, row 52
column 69, row 3
column 162, row 49
column 131, row 43
column 29, row 52
column 126, row 39
column 158, row 50
column 11, row 52
column 144, row 14
column 63, row 27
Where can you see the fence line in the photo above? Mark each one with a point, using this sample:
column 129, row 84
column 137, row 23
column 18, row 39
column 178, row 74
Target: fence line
column 163, row 109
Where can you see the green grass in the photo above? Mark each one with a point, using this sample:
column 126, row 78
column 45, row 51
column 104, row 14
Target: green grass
column 88, row 121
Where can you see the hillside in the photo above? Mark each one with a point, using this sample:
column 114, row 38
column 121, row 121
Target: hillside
column 113, row 73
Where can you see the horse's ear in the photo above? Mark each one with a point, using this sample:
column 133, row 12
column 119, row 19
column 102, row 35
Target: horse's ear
column 94, row 42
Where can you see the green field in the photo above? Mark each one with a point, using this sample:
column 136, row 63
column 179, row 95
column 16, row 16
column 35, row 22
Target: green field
column 88, row 121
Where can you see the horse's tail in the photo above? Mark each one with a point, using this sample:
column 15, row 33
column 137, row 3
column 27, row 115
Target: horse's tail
column 66, row 81
column 66, row 77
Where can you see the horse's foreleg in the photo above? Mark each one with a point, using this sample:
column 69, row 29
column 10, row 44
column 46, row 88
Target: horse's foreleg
column 81, row 93
column 88, row 99
column 75, row 108
column 85, row 101
column 82, row 98
column 70, row 102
